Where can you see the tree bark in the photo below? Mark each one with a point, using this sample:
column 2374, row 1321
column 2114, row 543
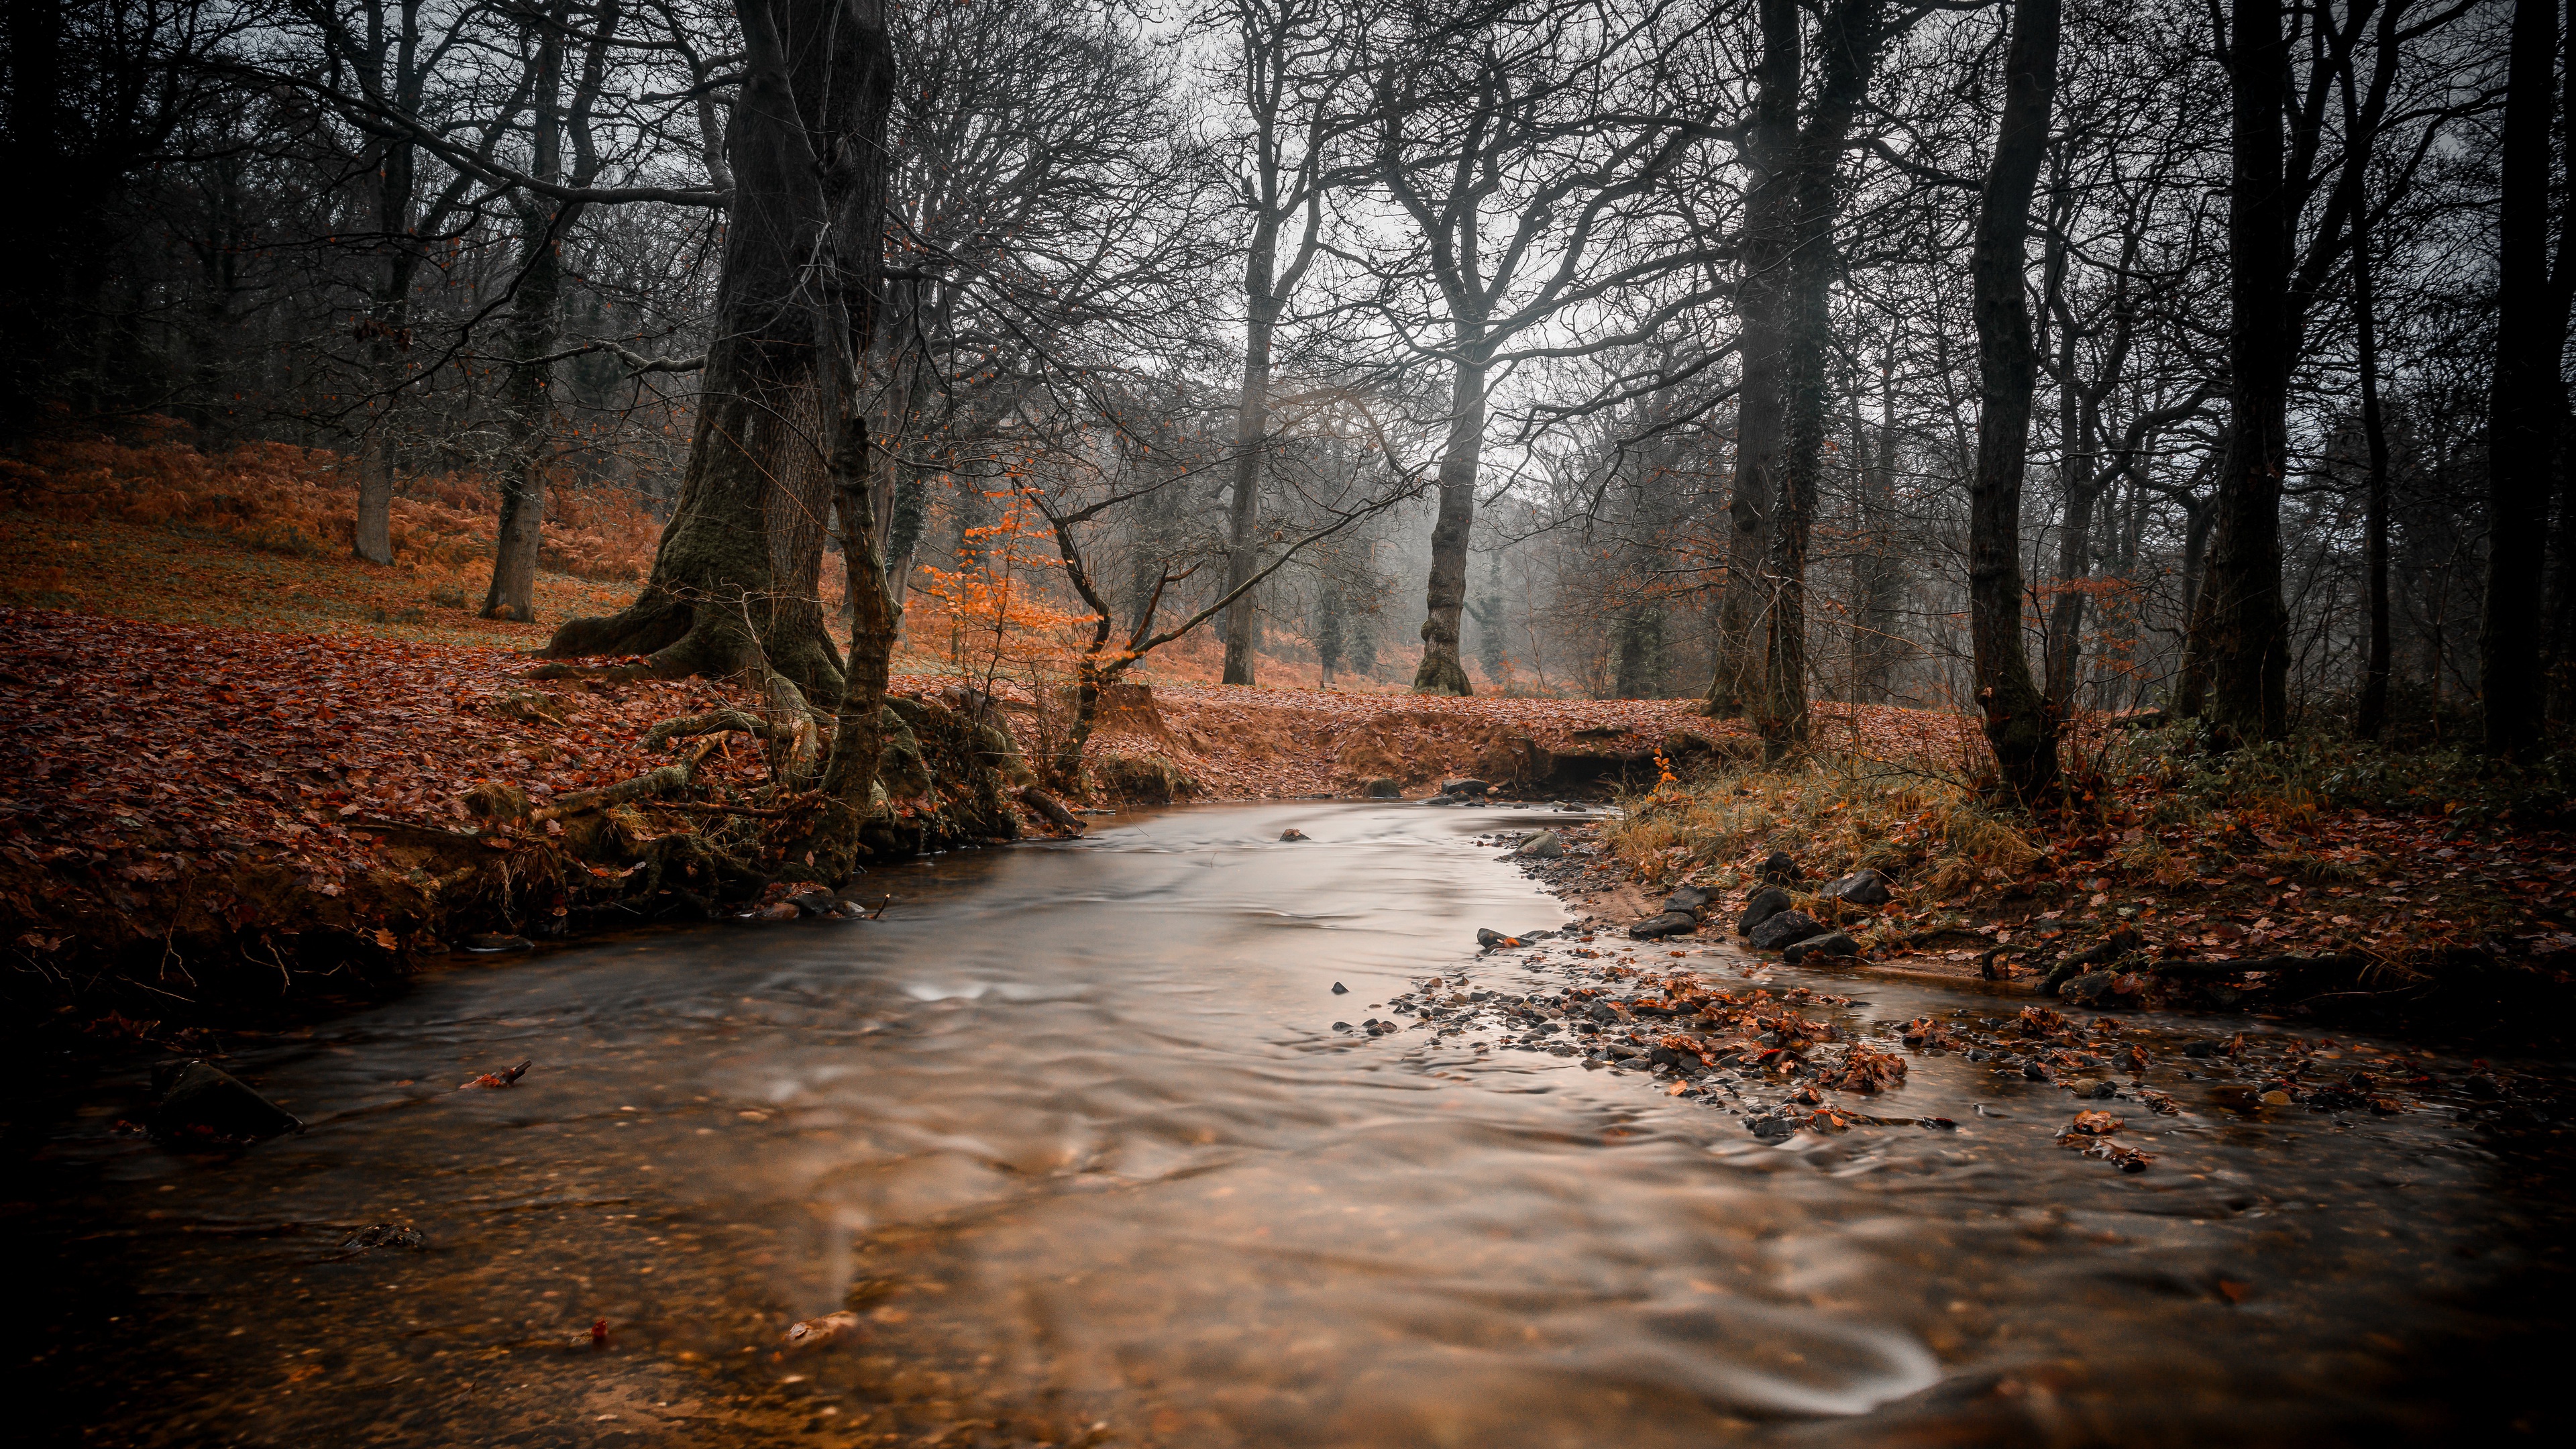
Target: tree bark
column 714, row 603
column 527, row 406
column 1251, row 435
column 2020, row 723
column 1440, row 671
column 2245, row 644
column 2527, row 399
column 1848, row 44
column 1762, row 308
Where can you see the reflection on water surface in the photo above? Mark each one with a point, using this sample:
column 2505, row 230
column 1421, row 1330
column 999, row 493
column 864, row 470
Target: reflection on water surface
column 1071, row 1132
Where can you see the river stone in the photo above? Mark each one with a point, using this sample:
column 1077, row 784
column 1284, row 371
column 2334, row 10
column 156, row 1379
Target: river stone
column 1832, row 943
column 1860, row 888
column 1382, row 789
column 1465, row 787
column 2087, row 989
column 1779, row 869
column 1763, row 906
column 1670, row 923
column 1783, row 928
column 1691, row 898
column 1542, row 846
column 201, row 1099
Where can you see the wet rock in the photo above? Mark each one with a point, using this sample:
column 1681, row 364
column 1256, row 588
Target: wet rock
column 1670, row 923
column 1784, row 928
column 1860, row 888
column 2087, row 989
column 1340, row 990
column 1763, row 906
column 1492, row 939
column 1293, row 833
column 1603, row 1012
column 1832, row 943
column 1466, row 788
column 1382, row 789
column 1779, row 869
column 1341, row 1026
column 1543, row 846
column 385, row 1235
column 488, row 945
column 202, row 1101
column 1691, row 898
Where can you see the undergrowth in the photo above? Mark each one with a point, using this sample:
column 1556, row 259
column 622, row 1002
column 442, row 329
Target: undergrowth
column 302, row 502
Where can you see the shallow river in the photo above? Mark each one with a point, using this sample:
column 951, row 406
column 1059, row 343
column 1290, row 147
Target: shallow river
column 1072, row 1133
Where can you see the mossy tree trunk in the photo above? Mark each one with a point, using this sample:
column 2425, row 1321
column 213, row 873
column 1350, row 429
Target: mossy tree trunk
column 732, row 582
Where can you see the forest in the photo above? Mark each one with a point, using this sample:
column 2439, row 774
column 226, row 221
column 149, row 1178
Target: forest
column 1923, row 650
column 2032, row 360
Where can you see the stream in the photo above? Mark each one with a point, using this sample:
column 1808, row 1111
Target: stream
column 1072, row 1134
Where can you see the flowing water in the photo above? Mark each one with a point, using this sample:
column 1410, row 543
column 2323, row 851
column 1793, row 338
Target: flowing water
column 1072, row 1133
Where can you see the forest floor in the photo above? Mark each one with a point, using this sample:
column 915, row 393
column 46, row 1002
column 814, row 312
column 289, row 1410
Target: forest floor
column 192, row 724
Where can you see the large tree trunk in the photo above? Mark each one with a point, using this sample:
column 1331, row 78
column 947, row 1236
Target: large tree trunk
column 1762, row 304
column 1251, row 435
column 2245, row 643
column 1848, row 43
column 2021, row 725
column 1440, row 671
column 2528, row 398
column 718, row 600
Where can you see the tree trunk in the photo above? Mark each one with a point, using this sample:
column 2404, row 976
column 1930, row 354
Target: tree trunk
column 2527, row 399
column 527, row 408
column 1251, row 436
column 2373, row 712
column 822, row 91
column 528, row 411
column 1876, row 580
column 716, row 600
column 1762, row 304
column 2021, row 725
column 2246, row 642
column 1440, row 671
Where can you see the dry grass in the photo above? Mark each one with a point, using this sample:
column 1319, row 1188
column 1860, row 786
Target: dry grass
column 1832, row 815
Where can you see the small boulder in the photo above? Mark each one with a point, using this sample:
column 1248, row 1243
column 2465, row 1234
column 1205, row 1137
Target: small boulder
column 1466, row 787
column 2087, row 989
column 1490, row 939
column 1293, row 833
column 1832, row 943
column 1783, row 928
column 1763, row 906
column 1543, row 846
column 1860, row 888
column 1691, row 898
column 1670, row 923
column 1779, row 869
column 1382, row 789
column 1340, row 990
column 385, row 1235
column 202, row 1101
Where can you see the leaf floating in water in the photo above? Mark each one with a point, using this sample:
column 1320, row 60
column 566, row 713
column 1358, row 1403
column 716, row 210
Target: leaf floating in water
column 817, row 1332
column 499, row 1079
